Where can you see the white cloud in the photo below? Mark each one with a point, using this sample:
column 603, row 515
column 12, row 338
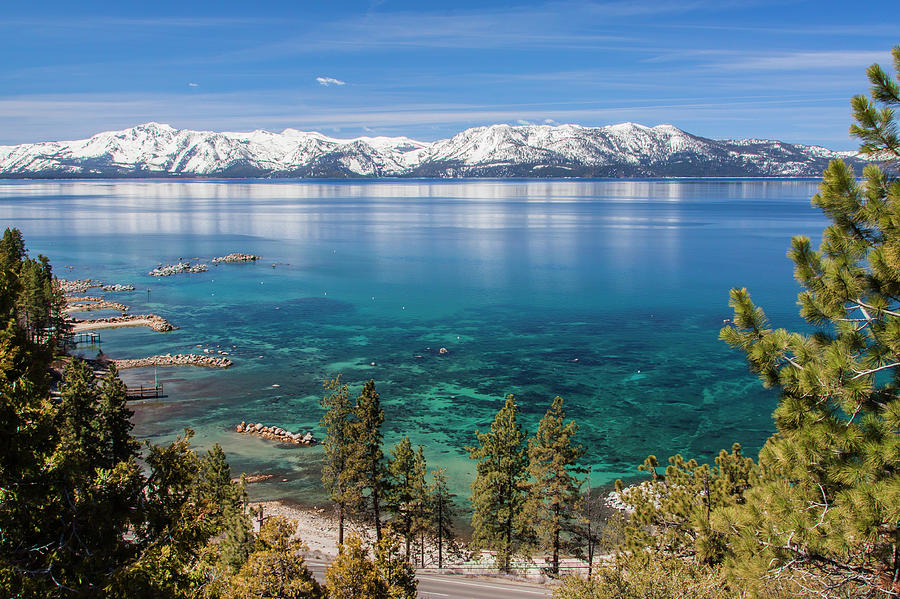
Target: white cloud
column 808, row 60
column 326, row 81
column 192, row 84
column 550, row 122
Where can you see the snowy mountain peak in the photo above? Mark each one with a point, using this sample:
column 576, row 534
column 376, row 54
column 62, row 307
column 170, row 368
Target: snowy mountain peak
column 500, row 150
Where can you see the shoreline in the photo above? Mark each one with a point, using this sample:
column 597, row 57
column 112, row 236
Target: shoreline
column 157, row 323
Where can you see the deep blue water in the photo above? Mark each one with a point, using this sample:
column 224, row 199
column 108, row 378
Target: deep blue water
column 608, row 293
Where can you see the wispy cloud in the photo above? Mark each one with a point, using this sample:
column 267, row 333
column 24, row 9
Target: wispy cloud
column 192, row 84
column 35, row 118
column 328, row 81
column 806, row 60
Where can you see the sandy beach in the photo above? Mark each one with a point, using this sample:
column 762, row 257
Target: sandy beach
column 316, row 526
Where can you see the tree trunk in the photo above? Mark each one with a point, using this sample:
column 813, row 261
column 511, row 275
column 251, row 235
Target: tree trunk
column 556, row 541
column 407, row 527
column 440, row 534
column 375, row 511
column 340, row 523
column 508, row 549
column 590, row 547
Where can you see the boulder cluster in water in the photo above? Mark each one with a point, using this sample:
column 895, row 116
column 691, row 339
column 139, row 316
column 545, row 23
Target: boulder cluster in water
column 176, row 360
column 173, row 269
column 237, row 257
column 276, row 433
column 79, row 286
column 82, row 285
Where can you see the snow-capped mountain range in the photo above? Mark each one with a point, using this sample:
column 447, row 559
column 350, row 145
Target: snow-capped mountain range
column 624, row 150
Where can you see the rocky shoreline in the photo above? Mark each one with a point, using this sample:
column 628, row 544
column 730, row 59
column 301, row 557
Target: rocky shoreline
column 275, row 433
column 176, row 360
column 82, row 285
column 92, row 303
column 157, row 323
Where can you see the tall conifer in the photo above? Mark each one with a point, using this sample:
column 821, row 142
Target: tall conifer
column 825, row 513
column 553, row 491
column 498, row 495
column 338, row 445
column 442, row 513
column 369, row 469
column 115, row 419
column 402, row 495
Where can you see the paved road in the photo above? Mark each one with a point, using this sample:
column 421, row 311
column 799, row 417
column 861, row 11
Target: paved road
column 439, row 586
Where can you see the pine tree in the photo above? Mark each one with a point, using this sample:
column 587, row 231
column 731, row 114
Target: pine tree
column 338, row 446
column 554, row 490
column 276, row 567
column 673, row 514
column 442, row 513
column 114, row 419
column 369, row 469
column 401, row 470
column 395, row 571
column 825, row 513
column 352, row 575
column 77, row 415
column 215, row 489
column 237, row 544
column 498, row 495
column 420, row 501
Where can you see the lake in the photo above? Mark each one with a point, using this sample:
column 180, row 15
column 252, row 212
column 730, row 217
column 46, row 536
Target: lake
column 608, row 293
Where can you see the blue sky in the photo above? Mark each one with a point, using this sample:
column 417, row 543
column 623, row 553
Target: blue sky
column 721, row 69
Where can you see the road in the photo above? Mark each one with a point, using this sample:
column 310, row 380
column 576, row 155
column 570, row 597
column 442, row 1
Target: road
column 440, row 586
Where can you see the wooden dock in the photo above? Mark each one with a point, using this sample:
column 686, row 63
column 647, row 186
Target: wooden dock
column 142, row 392
column 86, row 338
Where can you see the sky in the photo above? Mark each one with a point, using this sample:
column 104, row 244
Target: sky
column 721, row 69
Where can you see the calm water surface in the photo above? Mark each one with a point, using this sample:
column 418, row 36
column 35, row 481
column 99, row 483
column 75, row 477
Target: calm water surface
column 608, row 293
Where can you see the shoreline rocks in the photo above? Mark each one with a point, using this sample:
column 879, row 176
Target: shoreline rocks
column 176, row 360
column 117, row 287
column 78, row 286
column 95, row 304
column 236, row 257
column 173, row 269
column 157, row 323
column 275, row 433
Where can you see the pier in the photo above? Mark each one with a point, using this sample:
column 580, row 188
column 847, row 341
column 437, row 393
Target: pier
column 86, row 338
column 142, row 392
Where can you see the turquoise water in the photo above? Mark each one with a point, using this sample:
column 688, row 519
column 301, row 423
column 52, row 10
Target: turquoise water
column 608, row 293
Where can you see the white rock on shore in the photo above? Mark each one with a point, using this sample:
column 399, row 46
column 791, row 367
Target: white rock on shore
column 173, row 269
column 117, row 287
column 236, row 257
column 78, row 286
